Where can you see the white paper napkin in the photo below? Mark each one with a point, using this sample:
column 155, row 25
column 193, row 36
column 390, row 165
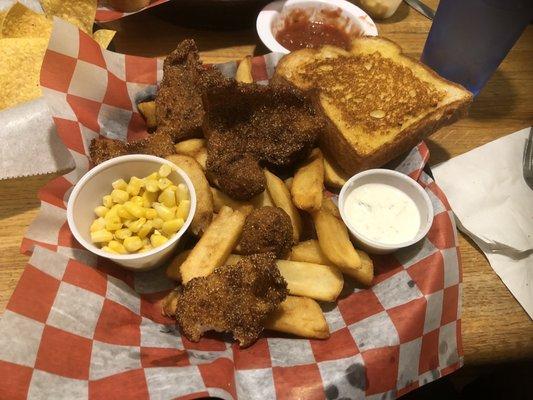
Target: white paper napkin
column 494, row 206
column 29, row 142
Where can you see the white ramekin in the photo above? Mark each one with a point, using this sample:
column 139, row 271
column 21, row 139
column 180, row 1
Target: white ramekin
column 269, row 17
column 400, row 181
column 88, row 193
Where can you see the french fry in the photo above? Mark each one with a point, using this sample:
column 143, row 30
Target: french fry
column 215, row 245
column 190, row 147
column 201, row 157
column 299, row 316
column 147, row 110
column 288, row 182
column 204, row 198
column 366, row 262
column 220, row 199
column 244, row 71
column 309, row 251
column 262, row 200
column 173, row 269
column 329, row 206
column 308, row 183
column 335, row 243
column 232, row 259
column 170, row 303
column 316, row 281
column 334, row 177
column 319, row 282
column 282, row 198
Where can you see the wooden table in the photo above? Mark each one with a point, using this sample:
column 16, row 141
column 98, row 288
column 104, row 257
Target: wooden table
column 495, row 327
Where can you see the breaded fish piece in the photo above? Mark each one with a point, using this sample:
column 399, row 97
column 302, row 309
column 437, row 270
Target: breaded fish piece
column 234, row 298
column 178, row 104
column 250, row 125
column 103, row 149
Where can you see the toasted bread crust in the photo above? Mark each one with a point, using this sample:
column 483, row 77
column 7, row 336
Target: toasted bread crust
column 337, row 145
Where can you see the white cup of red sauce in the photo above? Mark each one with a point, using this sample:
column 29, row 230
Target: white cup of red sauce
column 285, row 26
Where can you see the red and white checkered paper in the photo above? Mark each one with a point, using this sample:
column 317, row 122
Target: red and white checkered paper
column 80, row 327
column 104, row 13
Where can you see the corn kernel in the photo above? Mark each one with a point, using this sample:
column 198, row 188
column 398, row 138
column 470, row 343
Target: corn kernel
column 145, row 229
column 113, row 212
column 112, row 224
column 153, row 175
column 137, row 200
column 183, row 209
column 122, row 234
column 134, row 186
column 151, row 185
column 145, row 249
column 182, row 193
column 117, row 246
column 172, row 226
column 157, row 240
column 164, row 170
column 119, row 196
column 101, row 236
column 133, row 243
column 146, row 242
column 109, row 250
column 136, row 181
column 101, row 211
column 98, row 224
column 163, row 211
column 107, row 201
column 133, row 189
column 157, row 223
column 136, row 225
column 124, row 213
column 134, row 209
column 119, row 184
column 167, row 197
column 148, row 199
column 163, row 183
column 150, row 213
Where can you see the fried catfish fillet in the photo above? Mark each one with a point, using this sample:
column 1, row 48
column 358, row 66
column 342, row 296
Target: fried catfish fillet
column 234, row 299
column 103, row 149
column 248, row 125
column 178, row 104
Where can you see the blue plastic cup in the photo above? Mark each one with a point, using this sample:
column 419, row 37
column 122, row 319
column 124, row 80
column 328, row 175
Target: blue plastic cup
column 469, row 38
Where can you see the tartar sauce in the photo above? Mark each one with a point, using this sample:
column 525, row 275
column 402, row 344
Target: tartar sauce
column 382, row 213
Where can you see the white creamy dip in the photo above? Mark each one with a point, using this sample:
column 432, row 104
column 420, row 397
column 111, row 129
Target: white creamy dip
column 382, row 213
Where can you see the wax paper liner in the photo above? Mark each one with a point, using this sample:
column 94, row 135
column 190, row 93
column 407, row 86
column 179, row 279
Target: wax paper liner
column 78, row 327
column 105, row 13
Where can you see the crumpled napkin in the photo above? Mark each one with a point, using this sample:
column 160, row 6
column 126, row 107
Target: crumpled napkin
column 494, row 207
column 29, row 142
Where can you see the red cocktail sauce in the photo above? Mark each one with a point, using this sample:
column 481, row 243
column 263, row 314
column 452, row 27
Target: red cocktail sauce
column 299, row 32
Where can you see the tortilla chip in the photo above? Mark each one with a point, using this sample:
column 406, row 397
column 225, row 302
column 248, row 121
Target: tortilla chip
column 103, row 37
column 20, row 65
column 78, row 12
column 2, row 16
column 20, row 21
